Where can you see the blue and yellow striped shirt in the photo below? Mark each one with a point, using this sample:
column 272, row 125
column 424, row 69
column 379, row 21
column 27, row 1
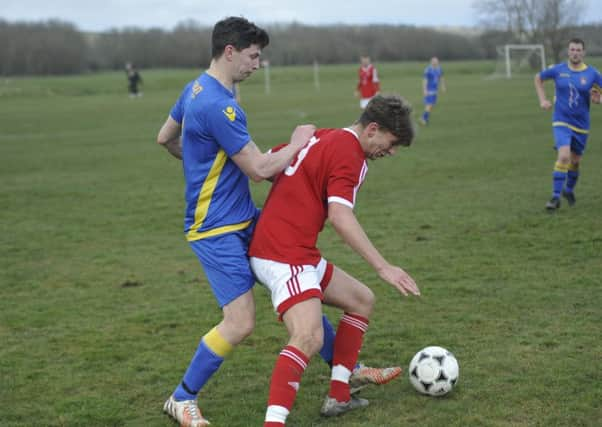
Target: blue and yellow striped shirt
column 572, row 97
column 214, row 128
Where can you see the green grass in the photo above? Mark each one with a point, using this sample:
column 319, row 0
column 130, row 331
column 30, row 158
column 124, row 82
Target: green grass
column 102, row 302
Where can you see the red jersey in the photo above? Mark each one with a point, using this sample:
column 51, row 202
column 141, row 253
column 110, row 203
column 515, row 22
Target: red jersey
column 369, row 83
column 329, row 169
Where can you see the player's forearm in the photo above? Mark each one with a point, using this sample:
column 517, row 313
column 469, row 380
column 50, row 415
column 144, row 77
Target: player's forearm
column 174, row 147
column 170, row 137
column 273, row 163
column 350, row 230
column 539, row 89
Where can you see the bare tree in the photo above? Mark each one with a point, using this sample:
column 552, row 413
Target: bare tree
column 533, row 21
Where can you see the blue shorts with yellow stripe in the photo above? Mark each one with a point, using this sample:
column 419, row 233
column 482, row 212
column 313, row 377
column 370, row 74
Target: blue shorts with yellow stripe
column 564, row 135
column 226, row 264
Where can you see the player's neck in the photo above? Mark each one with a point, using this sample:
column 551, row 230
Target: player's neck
column 218, row 72
column 357, row 129
column 580, row 66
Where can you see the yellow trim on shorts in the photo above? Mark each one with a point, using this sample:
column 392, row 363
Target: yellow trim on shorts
column 571, row 127
column 217, row 343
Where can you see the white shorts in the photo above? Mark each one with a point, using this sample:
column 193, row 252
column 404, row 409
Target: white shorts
column 291, row 284
column 364, row 102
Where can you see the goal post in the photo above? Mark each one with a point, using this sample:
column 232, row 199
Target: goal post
column 527, row 51
column 316, row 75
column 267, row 81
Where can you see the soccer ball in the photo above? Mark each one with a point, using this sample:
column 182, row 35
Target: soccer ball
column 434, row 371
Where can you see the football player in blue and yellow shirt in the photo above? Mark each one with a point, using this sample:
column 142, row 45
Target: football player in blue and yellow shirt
column 207, row 129
column 432, row 78
column 576, row 83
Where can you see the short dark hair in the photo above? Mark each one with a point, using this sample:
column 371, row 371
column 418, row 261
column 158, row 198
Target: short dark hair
column 577, row 40
column 238, row 32
column 391, row 113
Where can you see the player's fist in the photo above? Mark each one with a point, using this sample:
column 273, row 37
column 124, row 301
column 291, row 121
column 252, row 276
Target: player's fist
column 545, row 104
column 595, row 96
column 302, row 134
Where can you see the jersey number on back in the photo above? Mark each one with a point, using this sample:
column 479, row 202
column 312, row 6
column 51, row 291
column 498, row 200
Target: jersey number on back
column 289, row 171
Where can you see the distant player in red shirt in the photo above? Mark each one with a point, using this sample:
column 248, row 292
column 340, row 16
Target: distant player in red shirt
column 322, row 183
column 368, row 85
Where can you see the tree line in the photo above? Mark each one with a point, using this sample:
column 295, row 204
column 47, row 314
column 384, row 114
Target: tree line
column 548, row 22
column 58, row 47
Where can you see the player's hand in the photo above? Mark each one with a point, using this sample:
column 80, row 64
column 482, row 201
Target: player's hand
column 595, row 96
column 400, row 279
column 302, row 134
column 356, row 93
column 545, row 104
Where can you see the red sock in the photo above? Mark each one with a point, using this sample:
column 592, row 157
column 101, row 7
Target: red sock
column 347, row 345
column 289, row 368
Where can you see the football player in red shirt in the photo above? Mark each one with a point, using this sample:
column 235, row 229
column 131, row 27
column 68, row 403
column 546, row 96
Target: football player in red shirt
column 322, row 183
column 368, row 85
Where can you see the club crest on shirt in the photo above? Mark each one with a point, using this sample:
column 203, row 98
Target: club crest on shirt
column 583, row 81
column 230, row 113
column 196, row 89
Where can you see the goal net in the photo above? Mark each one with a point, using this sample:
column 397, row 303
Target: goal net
column 519, row 60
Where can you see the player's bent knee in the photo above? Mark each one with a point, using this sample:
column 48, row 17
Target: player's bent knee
column 367, row 304
column 363, row 303
column 308, row 341
column 365, row 297
column 239, row 327
column 246, row 329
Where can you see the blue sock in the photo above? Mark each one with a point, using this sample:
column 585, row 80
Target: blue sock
column 425, row 116
column 571, row 180
column 558, row 178
column 206, row 361
column 327, row 351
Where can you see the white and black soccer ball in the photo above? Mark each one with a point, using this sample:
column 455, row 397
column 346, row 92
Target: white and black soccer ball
column 434, row 371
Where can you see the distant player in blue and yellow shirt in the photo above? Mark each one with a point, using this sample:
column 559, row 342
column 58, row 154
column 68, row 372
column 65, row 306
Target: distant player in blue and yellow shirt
column 576, row 83
column 432, row 79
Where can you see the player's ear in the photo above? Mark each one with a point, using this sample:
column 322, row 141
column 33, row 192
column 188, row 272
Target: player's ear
column 229, row 51
column 372, row 128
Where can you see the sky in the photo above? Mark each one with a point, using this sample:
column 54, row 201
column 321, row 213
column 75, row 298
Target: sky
column 106, row 14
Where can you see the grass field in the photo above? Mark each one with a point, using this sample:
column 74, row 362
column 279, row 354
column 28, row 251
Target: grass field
column 102, row 302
